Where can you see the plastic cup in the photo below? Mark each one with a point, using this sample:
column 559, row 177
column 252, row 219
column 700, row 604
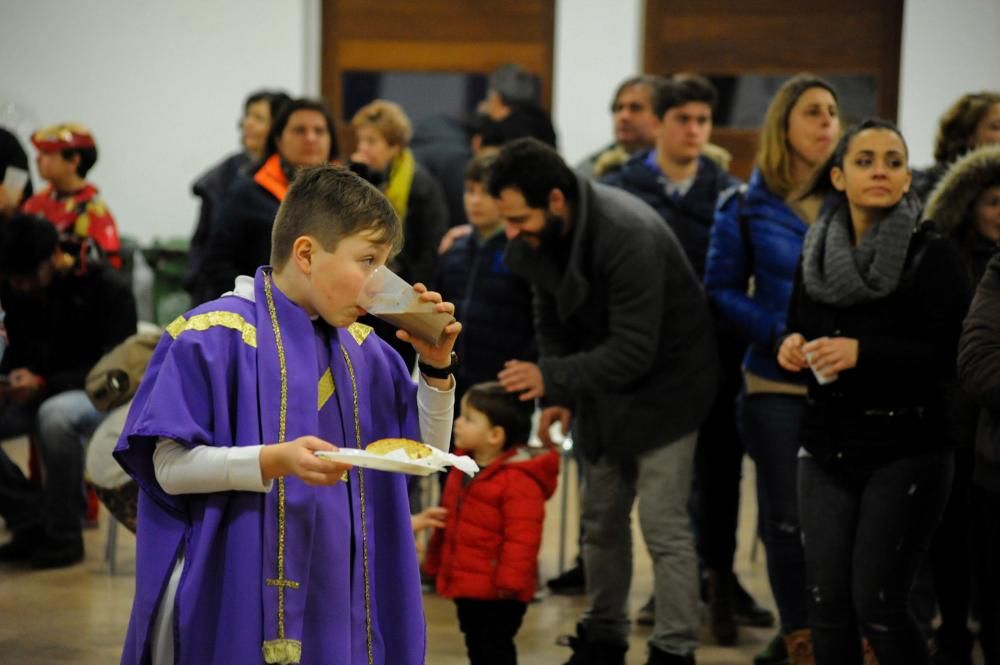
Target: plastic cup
column 14, row 179
column 821, row 379
column 392, row 299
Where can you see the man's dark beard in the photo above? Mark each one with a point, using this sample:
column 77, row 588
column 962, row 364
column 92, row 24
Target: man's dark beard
column 549, row 236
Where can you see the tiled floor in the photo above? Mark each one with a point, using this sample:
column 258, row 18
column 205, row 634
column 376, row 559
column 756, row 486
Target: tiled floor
column 79, row 615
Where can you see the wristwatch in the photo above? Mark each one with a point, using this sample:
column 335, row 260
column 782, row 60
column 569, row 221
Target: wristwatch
column 438, row 372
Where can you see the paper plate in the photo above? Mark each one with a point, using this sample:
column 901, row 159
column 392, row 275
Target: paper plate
column 368, row 460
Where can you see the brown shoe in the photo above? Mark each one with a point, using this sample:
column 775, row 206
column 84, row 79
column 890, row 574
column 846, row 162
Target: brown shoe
column 799, row 645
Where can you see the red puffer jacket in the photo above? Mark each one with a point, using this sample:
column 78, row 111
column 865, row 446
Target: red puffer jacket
column 489, row 547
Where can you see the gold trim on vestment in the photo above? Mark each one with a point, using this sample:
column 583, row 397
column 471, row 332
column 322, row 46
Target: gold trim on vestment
column 202, row 322
column 364, row 521
column 280, row 651
column 359, row 332
column 325, row 389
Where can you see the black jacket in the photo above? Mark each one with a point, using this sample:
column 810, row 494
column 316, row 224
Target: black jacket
column 425, row 223
column 63, row 332
column 493, row 304
column 896, row 400
column 979, row 373
column 623, row 328
column 240, row 239
column 692, row 216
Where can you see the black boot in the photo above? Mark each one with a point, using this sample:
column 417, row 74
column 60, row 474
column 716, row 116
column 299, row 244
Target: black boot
column 22, row 545
column 572, row 582
column 657, row 657
column 746, row 611
column 590, row 652
column 720, row 606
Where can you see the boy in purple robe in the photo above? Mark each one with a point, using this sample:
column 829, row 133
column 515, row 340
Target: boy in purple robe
column 250, row 548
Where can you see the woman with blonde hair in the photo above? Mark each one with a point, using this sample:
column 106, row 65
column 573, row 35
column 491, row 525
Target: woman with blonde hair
column 383, row 157
column 755, row 246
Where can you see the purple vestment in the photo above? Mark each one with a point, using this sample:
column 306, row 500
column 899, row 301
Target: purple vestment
column 215, row 379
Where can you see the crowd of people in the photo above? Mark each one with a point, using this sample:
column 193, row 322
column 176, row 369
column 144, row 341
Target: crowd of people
column 668, row 315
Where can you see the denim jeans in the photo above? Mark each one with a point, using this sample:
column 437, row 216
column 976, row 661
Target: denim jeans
column 770, row 428
column 661, row 478
column 61, row 427
column 865, row 532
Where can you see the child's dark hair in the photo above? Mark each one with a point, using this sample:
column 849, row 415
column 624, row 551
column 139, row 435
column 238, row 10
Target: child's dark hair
column 88, row 157
column 823, row 184
column 478, row 168
column 503, row 409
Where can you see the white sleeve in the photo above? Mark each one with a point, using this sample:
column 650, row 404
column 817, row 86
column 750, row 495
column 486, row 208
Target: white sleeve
column 437, row 410
column 204, row 469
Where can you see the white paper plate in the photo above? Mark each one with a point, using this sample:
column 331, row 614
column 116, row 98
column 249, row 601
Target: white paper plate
column 368, row 460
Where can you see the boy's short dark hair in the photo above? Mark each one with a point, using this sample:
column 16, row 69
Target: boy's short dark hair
column 682, row 89
column 535, row 169
column 331, row 203
column 478, row 168
column 88, row 157
column 504, row 410
column 26, row 241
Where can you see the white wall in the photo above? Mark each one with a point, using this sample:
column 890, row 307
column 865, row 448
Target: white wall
column 160, row 84
column 949, row 49
column 598, row 43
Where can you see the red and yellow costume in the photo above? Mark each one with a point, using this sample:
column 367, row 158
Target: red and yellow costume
column 82, row 213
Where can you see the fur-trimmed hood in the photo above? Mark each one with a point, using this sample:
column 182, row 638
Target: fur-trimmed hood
column 949, row 203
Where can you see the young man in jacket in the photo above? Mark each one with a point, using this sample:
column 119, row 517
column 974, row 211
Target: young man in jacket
column 626, row 344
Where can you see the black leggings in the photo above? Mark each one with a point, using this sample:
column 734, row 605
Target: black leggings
column 865, row 533
column 489, row 627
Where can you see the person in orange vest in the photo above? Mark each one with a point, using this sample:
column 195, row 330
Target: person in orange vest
column 66, row 153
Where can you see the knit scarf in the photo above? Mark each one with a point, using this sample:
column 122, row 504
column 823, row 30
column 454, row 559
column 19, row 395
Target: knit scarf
column 400, row 180
column 837, row 273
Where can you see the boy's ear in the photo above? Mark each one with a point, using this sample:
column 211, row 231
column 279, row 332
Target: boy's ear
column 302, row 253
column 496, row 436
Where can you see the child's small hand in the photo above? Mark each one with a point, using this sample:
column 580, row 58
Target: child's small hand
column 433, row 517
column 297, row 458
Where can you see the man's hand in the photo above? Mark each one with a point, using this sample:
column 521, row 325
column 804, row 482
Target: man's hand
column 550, row 415
column 453, row 234
column 25, row 385
column 296, row 458
column 832, row 355
column 518, row 376
column 791, row 356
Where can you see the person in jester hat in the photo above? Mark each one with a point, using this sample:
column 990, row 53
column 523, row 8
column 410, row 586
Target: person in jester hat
column 250, row 548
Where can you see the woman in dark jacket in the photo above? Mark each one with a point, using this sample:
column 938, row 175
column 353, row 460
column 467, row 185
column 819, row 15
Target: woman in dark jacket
column 979, row 372
column 259, row 110
column 302, row 135
column 966, row 206
column 756, row 240
column 971, row 122
column 875, row 313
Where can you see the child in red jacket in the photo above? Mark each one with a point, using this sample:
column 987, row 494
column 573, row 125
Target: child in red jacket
column 486, row 556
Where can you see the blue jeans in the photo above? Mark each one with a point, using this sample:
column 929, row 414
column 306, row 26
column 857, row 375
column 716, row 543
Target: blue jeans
column 61, row 427
column 866, row 532
column 770, row 429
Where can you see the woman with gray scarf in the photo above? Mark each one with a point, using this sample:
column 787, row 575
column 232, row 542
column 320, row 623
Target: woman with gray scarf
column 875, row 314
